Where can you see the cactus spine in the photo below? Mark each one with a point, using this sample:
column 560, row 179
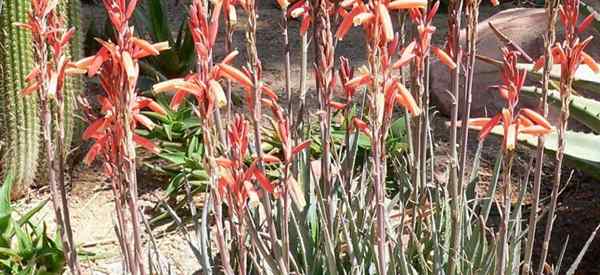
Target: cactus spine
column 19, row 118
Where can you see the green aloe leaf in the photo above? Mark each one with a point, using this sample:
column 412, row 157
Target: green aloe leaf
column 584, row 110
column 584, row 78
column 582, row 148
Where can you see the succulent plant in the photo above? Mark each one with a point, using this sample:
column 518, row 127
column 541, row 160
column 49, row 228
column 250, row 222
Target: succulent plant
column 19, row 118
column 20, row 121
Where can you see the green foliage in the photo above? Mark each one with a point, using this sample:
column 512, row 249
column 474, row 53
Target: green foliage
column 179, row 136
column 151, row 19
column 582, row 148
column 24, row 247
column 584, row 79
column 584, row 110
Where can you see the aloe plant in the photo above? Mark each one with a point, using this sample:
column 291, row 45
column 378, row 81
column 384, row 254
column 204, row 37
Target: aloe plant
column 24, row 247
column 19, row 119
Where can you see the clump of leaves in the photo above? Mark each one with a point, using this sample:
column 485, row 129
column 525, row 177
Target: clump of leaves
column 24, row 247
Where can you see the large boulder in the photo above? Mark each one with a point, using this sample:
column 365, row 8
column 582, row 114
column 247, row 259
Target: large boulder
column 524, row 27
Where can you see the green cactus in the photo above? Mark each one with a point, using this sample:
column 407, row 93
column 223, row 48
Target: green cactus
column 19, row 118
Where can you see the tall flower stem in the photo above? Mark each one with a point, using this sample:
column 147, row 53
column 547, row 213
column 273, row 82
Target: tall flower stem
column 454, row 23
column 503, row 241
column 288, row 92
column 472, row 13
column 256, row 117
column 549, row 39
column 46, row 33
column 565, row 87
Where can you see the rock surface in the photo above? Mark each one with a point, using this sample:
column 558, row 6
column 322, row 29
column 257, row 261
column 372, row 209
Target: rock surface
column 523, row 26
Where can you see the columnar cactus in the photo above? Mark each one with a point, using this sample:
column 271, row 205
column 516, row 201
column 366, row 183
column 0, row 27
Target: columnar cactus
column 19, row 114
column 20, row 127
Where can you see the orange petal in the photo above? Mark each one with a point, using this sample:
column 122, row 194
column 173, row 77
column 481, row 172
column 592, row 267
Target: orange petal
column 359, row 81
column 337, row 105
column 283, row 4
column 362, row 18
column 495, row 2
column 487, row 128
column 510, row 138
column 586, row 22
column 130, row 66
column 536, row 118
column 346, row 24
column 477, row 123
column 444, row 58
column 407, row 4
column 535, row 130
column 300, row 147
column 230, row 57
column 217, row 92
column 264, row 181
column 590, row 62
column 407, row 101
column 406, row 55
column 169, row 85
column 94, row 128
column 146, row 143
column 144, row 120
column 90, row 156
column 31, row 88
column 177, row 99
column 539, row 63
column 146, row 47
column 224, row 162
column 270, row 159
column 359, row 124
column 386, row 22
column 234, row 74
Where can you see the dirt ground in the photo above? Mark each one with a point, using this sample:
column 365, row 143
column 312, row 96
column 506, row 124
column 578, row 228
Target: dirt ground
column 91, row 196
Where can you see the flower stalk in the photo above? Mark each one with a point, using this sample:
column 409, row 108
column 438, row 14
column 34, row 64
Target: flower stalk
column 50, row 39
column 549, row 40
column 569, row 55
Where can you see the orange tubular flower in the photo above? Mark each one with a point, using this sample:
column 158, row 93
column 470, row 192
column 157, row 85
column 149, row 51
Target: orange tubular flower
column 235, row 177
column 204, row 84
column 570, row 53
column 108, row 63
column 523, row 121
column 301, row 9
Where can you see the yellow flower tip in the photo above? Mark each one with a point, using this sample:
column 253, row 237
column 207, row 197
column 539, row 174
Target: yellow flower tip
column 362, row 18
column 510, row 139
column 386, row 22
column 169, row 85
column 407, row 4
column 297, row 12
column 129, row 65
column 217, row 90
column 162, row 46
column 283, row 4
